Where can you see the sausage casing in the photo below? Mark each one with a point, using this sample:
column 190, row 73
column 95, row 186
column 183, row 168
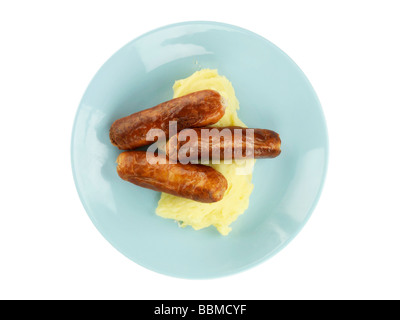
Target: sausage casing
column 220, row 143
column 193, row 181
column 196, row 109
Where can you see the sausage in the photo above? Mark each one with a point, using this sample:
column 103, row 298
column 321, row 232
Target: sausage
column 193, row 181
column 196, row 109
column 220, row 143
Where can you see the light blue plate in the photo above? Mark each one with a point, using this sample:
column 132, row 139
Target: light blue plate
column 273, row 94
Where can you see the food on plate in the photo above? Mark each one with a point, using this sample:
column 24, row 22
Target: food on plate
column 195, row 181
column 238, row 173
column 223, row 143
column 194, row 109
column 215, row 191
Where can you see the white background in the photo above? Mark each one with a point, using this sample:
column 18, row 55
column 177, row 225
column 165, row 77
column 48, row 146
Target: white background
column 350, row 247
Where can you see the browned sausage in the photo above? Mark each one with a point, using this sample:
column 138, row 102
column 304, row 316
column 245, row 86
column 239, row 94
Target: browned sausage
column 196, row 109
column 193, row 181
column 220, row 143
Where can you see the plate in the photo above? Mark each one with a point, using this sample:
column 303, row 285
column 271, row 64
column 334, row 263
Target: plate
column 273, row 94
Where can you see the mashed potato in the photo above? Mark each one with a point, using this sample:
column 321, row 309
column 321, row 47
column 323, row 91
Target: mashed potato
column 238, row 174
